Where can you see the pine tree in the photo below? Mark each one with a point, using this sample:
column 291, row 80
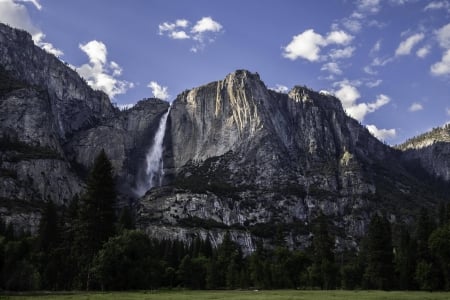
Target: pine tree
column 95, row 222
column 380, row 260
column 323, row 269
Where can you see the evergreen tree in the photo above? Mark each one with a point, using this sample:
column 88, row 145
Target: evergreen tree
column 49, row 239
column 405, row 261
column 95, row 222
column 440, row 248
column 380, row 260
column 323, row 269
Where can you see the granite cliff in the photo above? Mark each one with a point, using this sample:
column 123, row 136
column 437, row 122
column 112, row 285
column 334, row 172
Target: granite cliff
column 431, row 150
column 248, row 160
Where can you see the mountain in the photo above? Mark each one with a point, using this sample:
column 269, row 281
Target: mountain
column 249, row 160
column 231, row 155
column 431, row 150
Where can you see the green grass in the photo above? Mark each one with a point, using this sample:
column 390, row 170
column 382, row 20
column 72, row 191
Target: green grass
column 235, row 295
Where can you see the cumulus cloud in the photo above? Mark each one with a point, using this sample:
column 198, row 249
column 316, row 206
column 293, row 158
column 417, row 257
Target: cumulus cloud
column 307, row 45
column 442, row 67
column 406, row 46
column 206, row 24
column 204, row 31
column 100, row 74
column 14, row 13
column 332, row 67
column 158, row 91
column 280, row 88
column 423, row 52
column 348, row 94
column 382, row 134
column 415, row 107
column 360, row 110
column 443, row 36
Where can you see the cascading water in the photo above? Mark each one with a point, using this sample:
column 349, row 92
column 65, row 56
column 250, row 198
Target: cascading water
column 154, row 171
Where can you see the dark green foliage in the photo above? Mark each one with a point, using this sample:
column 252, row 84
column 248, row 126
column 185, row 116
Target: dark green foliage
column 125, row 262
column 380, row 260
column 323, row 270
column 405, row 261
column 439, row 244
column 95, row 218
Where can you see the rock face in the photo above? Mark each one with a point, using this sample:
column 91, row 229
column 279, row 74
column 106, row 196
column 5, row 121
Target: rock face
column 52, row 127
column 431, row 150
column 247, row 159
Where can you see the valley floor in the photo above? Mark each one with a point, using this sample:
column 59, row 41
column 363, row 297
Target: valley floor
column 234, row 295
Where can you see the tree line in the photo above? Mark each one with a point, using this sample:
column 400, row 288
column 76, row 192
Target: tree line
column 87, row 246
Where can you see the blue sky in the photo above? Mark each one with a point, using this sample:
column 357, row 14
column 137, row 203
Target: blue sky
column 388, row 61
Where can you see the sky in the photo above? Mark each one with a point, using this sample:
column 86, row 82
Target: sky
column 388, row 61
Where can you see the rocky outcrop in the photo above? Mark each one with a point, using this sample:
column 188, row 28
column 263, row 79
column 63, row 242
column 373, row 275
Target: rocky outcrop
column 431, row 150
column 73, row 103
column 125, row 139
column 248, row 159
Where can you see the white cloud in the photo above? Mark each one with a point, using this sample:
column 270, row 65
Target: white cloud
column 354, row 25
column 443, row 67
column 406, row 46
column 159, row 91
column 280, row 88
column 206, row 24
column 203, row 32
column 448, row 111
column 415, row 107
column 100, row 74
column 346, row 52
column 16, row 15
column 443, row 36
column 423, row 52
column 179, row 35
column 372, row 6
column 359, row 111
column 372, row 84
column 338, row 37
column 348, row 94
column 381, row 134
column 332, row 67
column 369, row 70
column 168, row 27
column 434, row 5
column 307, row 45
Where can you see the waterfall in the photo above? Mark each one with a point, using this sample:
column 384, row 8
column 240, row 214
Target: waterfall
column 154, row 171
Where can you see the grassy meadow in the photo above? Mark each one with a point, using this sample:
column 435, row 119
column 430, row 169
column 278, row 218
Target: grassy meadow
column 234, row 295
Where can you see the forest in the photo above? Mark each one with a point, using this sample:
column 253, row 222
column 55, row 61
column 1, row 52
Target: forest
column 88, row 246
